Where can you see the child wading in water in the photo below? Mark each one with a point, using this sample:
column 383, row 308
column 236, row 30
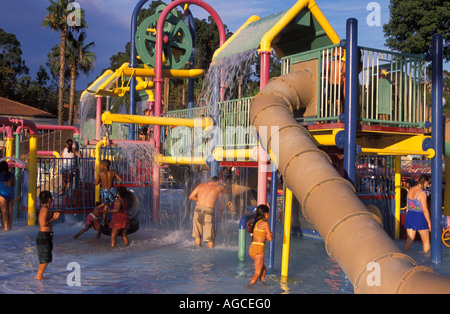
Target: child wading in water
column 261, row 233
column 44, row 239
column 120, row 221
column 93, row 220
column 106, row 177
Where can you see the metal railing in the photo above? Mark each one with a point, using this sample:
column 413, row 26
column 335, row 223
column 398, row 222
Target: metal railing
column 234, row 130
column 391, row 86
column 134, row 166
column 70, row 180
column 374, row 175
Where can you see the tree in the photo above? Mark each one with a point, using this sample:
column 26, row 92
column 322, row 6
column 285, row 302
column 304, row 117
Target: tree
column 413, row 23
column 79, row 58
column 39, row 93
column 207, row 41
column 11, row 64
column 58, row 19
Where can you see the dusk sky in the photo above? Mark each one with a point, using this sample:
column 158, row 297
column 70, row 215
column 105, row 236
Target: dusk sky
column 109, row 24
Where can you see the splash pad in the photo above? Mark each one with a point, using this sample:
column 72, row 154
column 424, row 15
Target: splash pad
column 315, row 37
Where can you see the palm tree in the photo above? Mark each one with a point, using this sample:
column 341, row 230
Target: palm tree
column 56, row 19
column 80, row 58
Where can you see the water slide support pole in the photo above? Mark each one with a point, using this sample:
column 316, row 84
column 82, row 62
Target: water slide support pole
column 437, row 142
column 32, row 180
column 17, row 175
column 397, row 183
column 287, row 234
column 273, row 216
column 262, row 156
column 351, row 99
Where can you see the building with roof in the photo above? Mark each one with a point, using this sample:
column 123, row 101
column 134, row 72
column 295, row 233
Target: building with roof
column 11, row 108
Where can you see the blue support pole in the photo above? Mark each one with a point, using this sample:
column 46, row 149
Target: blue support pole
column 273, row 217
column 437, row 142
column 351, row 99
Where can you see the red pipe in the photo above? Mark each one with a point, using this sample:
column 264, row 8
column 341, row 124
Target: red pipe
column 7, row 130
column 262, row 162
column 159, row 44
column 45, row 153
column 28, row 124
column 158, row 80
column 58, row 127
column 265, row 68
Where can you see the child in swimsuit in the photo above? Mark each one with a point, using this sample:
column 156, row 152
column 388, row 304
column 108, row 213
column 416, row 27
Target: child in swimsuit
column 44, row 238
column 93, row 220
column 106, row 176
column 6, row 195
column 120, row 221
column 417, row 217
column 261, row 233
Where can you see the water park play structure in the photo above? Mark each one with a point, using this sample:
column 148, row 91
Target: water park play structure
column 328, row 134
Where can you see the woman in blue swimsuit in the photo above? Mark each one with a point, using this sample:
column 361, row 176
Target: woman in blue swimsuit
column 6, row 195
column 417, row 215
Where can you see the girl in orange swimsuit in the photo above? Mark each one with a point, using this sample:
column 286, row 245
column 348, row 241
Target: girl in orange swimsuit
column 261, row 233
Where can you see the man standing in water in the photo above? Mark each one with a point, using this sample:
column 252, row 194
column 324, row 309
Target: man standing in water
column 203, row 225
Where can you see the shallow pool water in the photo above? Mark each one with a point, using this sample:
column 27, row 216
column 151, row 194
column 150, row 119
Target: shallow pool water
column 162, row 258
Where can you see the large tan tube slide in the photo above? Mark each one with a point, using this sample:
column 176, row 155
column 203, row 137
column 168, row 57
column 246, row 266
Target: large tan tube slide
column 353, row 236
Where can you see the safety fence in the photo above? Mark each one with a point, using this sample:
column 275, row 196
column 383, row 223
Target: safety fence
column 391, row 86
column 232, row 130
column 375, row 175
column 71, row 180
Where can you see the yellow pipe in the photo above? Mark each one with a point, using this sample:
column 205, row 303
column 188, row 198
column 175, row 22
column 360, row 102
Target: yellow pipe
column 32, row 180
column 120, row 91
column 287, row 235
column 90, row 90
column 108, row 72
column 430, row 153
column 266, row 41
column 98, row 149
column 322, row 20
column 150, row 85
column 193, row 73
column 109, row 118
column 397, row 183
column 326, row 139
column 221, row 154
column 9, row 147
column 250, row 20
column 160, row 159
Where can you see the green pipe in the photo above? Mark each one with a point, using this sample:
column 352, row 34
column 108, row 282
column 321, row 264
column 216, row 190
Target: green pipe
column 241, row 244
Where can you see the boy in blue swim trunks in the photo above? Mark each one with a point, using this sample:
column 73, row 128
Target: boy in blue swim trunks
column 106, row 177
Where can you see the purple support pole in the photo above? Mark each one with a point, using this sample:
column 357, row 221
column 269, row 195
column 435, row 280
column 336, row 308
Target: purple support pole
column 438, row 143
